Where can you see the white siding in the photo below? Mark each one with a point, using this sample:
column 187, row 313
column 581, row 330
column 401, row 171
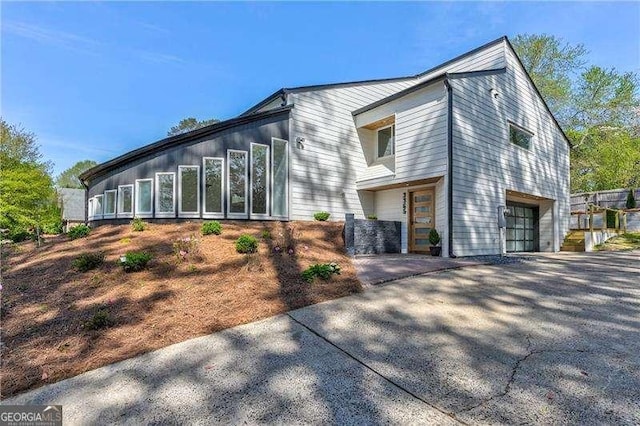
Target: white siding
column 323, row 174
column 486, row 164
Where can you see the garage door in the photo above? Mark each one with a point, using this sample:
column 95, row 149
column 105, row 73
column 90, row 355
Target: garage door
column 522, row 228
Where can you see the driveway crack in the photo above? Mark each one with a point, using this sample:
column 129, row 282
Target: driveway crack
column 377, row 373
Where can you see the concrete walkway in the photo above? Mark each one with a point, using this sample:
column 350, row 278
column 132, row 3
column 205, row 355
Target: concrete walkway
column 556, row 341
column 382, row 268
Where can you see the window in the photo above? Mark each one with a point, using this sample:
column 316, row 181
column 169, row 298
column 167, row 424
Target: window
column 144, row 191
column 213, row 186
column 125, row 201
column 189, row 193
column 97, row 206
column 385, row 138
column 90, row 208
column 280, row 178
column 259, row 180
column 165, row 195
column 237, row 183
column 520, row 137
column 110, row 203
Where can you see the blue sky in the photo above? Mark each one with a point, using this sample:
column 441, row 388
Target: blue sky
column 95, row 80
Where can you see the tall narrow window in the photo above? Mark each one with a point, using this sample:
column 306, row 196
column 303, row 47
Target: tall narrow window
column 97, row 206
column 90, row 209
column 110, row 203
column 189, row 195
column 144, row 196
column 237, row 183
column 386, row 141
column 280, row 178
column 213, row 184
column 165, row 195
column 125, row 200
column 259, row 180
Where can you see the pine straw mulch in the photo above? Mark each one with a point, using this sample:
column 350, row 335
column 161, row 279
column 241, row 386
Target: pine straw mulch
column 47, row 304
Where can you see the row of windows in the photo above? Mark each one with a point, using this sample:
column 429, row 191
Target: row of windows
column 256, row 185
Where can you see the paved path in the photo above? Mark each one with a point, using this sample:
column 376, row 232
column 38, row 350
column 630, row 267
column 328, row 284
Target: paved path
column 551, row 341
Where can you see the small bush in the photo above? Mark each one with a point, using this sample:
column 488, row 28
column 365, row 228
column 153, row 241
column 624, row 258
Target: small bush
column 186, row 248
column 138, row 224
column 78, row 231
column 134, row 261
column 53, row 228
column 321, row 216
column 101, row 319
column 372, row 217
column 88, row 261
column 19, row 235
column 631, row 200
column 212, row 227
column 320, row 270
column 434, row 237
column 246, row 244
column 266, row 234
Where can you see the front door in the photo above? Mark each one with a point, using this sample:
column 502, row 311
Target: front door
column 421, row 219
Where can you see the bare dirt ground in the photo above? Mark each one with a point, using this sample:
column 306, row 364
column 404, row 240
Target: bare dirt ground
column 47, row 304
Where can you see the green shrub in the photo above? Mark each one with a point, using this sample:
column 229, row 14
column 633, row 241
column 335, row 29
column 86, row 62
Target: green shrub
column 372, row 217
column 78, row 231
column 138, row 224
column 321, row 216
column 212, row 227
column 434, row 237
column 100, row 319
column 631, row 200
column 53, row 228
column 87, row 261
column 320, row 270
column 18, row 235
column 266, row 234
column 246, row 244
column 134, row 261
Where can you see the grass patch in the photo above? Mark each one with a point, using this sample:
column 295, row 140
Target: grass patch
column 624, row 242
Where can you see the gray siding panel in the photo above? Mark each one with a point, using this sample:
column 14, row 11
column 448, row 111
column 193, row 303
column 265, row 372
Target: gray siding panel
column 191, row 153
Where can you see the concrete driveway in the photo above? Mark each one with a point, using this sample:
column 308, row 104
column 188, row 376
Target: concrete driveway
column 555, row 340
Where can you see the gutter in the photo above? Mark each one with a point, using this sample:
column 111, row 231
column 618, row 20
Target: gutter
column 450, row 162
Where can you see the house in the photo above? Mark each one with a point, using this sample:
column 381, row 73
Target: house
column 72, row 202
column 448, row 149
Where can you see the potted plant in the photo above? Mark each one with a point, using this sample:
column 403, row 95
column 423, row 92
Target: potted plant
column 434, row 239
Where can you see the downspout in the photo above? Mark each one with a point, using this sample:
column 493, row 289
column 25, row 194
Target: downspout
column 86, row 198
column 450, row 163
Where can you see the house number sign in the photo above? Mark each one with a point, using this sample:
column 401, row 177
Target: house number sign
column 404, row 203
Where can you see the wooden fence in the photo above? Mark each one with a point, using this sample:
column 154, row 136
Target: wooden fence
column 612, row 199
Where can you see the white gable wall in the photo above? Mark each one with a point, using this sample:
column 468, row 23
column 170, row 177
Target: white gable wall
column 486, row 164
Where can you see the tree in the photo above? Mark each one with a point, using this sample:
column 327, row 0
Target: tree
column 27, row 196
column 596, row 107
column 552, row 65
column 631, row 200
column 69, row 178
column 189, row 124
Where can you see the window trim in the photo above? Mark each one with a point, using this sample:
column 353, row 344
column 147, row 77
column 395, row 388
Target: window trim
column 272, row 178
column 195, row 214
column 393, row 141
column 139, row 213
column 90, row 212
column 245, row 214
column 265, row 215
column 119, row 197
column 106, row 215
column 158, row 213
column 522, row 129
column 205, row 213
column 98, row 216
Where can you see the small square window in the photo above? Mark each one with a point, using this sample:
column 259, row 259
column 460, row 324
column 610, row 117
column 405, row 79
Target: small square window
column 386, row 141
column 520, row 137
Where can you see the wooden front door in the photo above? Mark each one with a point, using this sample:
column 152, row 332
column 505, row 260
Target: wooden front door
column 422, row 217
